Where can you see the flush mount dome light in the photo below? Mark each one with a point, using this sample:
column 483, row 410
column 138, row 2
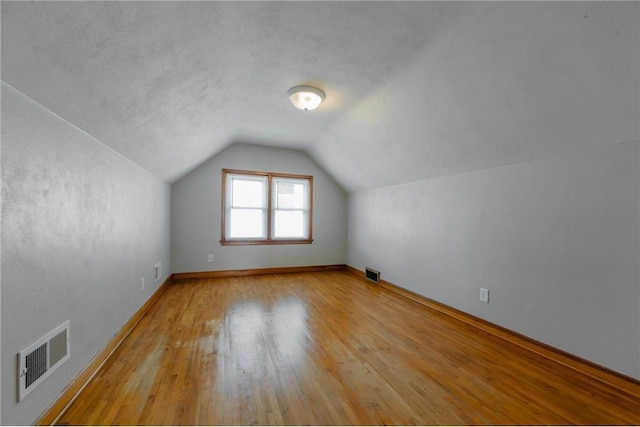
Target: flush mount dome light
column 305, row 98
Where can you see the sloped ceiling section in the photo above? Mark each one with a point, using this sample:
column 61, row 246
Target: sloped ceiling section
column 501, row 83
column 414, row 90
column 169, row 84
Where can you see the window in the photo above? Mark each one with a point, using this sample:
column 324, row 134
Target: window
column 265, row 208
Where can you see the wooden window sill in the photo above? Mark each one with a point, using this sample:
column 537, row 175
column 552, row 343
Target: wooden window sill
column 264, row 242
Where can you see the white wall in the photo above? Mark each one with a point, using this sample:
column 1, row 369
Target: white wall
column 80, row 226
column 555, row 240
column 196, row 215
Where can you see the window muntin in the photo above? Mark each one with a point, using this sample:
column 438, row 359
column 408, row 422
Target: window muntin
column 266, row 208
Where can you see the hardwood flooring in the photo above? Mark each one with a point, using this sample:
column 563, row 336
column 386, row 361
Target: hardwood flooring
column 328, row 348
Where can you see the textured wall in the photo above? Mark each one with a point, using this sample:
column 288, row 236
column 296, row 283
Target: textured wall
column 80, row 226
column 196, row 215
column 555, row 240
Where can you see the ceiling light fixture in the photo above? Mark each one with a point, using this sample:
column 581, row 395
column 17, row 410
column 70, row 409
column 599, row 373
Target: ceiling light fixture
column 305, row 98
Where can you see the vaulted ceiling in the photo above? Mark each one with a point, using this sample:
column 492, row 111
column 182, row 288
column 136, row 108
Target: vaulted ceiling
column 415, row 90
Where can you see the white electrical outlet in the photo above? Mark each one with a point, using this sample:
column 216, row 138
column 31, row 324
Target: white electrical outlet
column 210, row 258
column 484, row 295
column 142, row 283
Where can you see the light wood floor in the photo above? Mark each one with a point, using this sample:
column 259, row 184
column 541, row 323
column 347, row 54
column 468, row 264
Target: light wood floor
column 328, row 348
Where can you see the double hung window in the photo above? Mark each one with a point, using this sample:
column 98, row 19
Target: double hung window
column 266, row 208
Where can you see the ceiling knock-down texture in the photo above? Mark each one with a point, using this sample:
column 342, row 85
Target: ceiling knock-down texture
column 414, row 90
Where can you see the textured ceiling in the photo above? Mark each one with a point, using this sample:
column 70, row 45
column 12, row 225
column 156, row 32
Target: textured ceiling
column 414, row 90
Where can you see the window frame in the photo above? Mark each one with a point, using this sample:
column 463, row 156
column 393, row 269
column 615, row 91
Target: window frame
column 269, row 240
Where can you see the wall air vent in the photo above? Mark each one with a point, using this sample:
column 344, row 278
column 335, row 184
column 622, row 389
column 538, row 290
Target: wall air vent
column 42, row 358
column 157, row 272
column 372, row 275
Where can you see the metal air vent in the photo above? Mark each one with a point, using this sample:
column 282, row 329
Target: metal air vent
column 372, row 275
column 42, row 358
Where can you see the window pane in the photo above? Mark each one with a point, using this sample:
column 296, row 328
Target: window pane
column 246, row 223
column 248, row 193
column 289, row 193
column 289, row 224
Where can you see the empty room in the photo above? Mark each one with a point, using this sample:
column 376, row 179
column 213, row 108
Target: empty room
column 320, row 213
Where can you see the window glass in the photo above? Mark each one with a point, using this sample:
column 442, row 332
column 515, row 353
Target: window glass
column 247, row 193
column 289, row 224
column 246, row 223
